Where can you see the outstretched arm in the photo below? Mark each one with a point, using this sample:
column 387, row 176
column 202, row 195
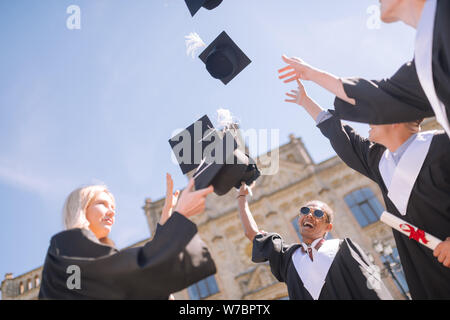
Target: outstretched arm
column 349, row 146
column 399, row 98
column 248, row 222
column 299, row 69
column 301, row 98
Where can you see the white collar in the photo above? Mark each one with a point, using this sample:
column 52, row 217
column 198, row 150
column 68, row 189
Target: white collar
column 313, row 273
column 400, row 178
column 312, row 245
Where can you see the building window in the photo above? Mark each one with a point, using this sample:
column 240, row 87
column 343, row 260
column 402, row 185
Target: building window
column 21, row 288
column 37, row 281
column 29, row 284
column 365, row 206
column 204, row 288
column 297, row 229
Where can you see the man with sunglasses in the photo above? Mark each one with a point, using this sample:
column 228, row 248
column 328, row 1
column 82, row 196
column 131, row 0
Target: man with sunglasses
column 316, row 269
column 412, row 169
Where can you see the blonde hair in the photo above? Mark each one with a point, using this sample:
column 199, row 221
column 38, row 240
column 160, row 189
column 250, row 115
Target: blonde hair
column 413, row 126
column 74, row 210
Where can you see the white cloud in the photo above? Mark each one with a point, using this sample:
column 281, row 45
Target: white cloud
column 22, row 180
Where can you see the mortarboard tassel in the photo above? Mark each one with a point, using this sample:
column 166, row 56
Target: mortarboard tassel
column 193, row 44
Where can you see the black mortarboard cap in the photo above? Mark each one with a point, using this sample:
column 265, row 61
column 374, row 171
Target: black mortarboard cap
column 195, row 5
column 224, row 60
column 191, row 140
column 224, row 170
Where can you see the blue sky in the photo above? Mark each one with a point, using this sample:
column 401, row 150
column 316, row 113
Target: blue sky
column 98, row 104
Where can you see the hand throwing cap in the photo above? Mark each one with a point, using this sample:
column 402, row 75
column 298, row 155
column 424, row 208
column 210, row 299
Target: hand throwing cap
column 224, row 60
column 195, row 5
column 217, row 158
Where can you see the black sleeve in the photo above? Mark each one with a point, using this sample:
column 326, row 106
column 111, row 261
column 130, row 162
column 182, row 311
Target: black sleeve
column 441, row 53
column 270, row 247
column 174, row 259
column 357, row 152
column 177, row 254
column 393, row 100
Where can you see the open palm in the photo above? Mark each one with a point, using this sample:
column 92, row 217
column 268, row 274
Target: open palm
column 297, row 96
column 296, row 69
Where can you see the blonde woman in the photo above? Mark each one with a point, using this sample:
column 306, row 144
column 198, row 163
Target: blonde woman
column 82, row 262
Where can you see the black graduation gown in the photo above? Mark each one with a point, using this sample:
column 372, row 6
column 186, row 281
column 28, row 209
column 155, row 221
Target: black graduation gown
column 347, row 278
column 428, row 207
column 173, row 260
column 401, row 97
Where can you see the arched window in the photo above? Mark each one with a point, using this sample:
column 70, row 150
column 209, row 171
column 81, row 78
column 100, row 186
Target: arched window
column 365, row 206
column 21, row 288
column 37, row 281
column 29, row 284
column 204, row 288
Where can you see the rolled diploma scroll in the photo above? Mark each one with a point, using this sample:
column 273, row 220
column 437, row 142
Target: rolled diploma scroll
column 411, row 231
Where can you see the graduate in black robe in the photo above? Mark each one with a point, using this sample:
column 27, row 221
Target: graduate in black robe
column 428, row 207
column 320, row 269
column 174, row 259
column 428, row 204
column 79, row 265
column 419, row 89
column 350, row 277
column 403, row 97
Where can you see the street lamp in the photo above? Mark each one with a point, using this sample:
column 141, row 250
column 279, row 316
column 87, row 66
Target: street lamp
column 385, row 249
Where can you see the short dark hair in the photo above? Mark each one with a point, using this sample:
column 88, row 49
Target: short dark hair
column 326, row 208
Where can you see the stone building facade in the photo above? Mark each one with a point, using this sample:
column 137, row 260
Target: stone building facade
column 275, row 203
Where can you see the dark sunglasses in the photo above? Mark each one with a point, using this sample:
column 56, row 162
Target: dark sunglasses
column 317, row 213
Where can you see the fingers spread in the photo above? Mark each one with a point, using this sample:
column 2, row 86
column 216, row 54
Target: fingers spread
column 285, row 69
column 291, row 79
column 287, row 75
column 286, row 59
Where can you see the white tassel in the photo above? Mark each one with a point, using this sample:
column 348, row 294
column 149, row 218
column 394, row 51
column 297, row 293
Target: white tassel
column 224, row 118
column 193, row 44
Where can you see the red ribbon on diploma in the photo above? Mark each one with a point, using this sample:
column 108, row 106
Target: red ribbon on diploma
column 413, row 233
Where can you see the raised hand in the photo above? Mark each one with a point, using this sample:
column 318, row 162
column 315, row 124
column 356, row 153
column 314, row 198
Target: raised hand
column 192, row 202
column 296, row 69
column 171, row 200
column 245, row 190
column 298, row 96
